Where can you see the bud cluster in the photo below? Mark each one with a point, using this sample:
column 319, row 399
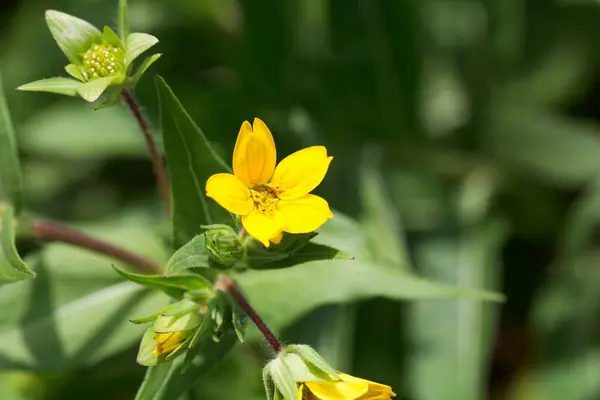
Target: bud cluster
column 102, row 60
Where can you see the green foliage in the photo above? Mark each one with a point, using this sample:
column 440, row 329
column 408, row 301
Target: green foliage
column 11, row 185
column 480, row 176
column 192, row 161
column 12, row 267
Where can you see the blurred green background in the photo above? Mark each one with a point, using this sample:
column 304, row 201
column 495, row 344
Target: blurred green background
column 466, row 137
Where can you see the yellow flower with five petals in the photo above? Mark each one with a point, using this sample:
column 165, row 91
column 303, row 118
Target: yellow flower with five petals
column 272, row 199
column 348, row 388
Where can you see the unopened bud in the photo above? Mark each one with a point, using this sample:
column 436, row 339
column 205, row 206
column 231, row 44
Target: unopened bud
column 224, row 244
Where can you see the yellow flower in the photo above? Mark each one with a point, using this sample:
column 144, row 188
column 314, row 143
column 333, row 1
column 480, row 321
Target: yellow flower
column 349, row 388
column 167, row 342
column 270, row 199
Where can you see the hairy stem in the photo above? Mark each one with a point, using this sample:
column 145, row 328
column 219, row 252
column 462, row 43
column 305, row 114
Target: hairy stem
column 50, row 231
column 160, row 171
column 230, row 286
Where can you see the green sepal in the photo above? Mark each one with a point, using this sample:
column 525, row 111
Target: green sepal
column 58, row 85
column 75, row 72
column 224, row 244
column 200, row 296
column 110, row 37
column 303, row 371
column 282, row 378
column 238, row 317
column 146, row 354
column 268, row 383
column 144, row 67
column 181, row 323
column 178, row 309
column 309, row 355
column 73, row 35
column 12, row 267
column 173, row 285
column 136, row 44
column 193, row 254
column 144, row 320
column 92, row 90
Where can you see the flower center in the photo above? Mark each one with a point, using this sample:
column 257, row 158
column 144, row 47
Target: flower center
column 102, row 60
column 265, row 199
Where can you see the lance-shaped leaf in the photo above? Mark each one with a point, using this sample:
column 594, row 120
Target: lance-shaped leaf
column 144, row 67
column 192, row 160
column 57, row 85
column 307, row 253
column 73, row 35
column 11, row 184
column 193, row 254
column 173, row 285
column 12, row 267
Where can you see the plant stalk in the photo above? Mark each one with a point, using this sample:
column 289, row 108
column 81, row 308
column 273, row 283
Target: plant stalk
column 50, row 231
column 225, row 283
column 162, row 179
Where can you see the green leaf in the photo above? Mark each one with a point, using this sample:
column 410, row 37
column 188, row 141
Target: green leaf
column 123, row 20
column 11, row 181
column 173, row 285
column 307, row 253
column 306, row 287
column 75, row 72
column 77, row 310
column 12, row 267
column 144, row 67
column 57, row 85
column 71, row 132
column 73, row 35
column 193, row 254
column 168, row 381
column 191, row 161
column 92, row 90
column 136, row 44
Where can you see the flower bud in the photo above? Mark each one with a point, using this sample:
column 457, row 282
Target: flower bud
column 224, row 244
column 299, row 372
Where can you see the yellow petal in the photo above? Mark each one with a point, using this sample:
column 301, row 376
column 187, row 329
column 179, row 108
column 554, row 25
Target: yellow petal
column 339, row 390
column 167, row 342
column 230, row 193
column 254, row 155
column 261, row 227
column 376, row 391
column 299, row 173
column 277, row 239
column 303, row 215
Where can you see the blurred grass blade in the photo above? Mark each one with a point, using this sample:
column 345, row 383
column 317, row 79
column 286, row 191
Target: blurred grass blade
column 380, row 220
column 168, row 381
column 11, row 184
column 12, row 267
column 191, row 161
column 453, row 338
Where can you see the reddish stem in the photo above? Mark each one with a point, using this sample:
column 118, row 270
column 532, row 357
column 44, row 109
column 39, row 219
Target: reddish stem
column 230, row 286
column 160, row 171
column 52, row 232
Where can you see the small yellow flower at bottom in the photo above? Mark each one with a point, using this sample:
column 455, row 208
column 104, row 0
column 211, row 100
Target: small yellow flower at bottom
column 272, row 199
column 349, row 388
column 167, row 342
